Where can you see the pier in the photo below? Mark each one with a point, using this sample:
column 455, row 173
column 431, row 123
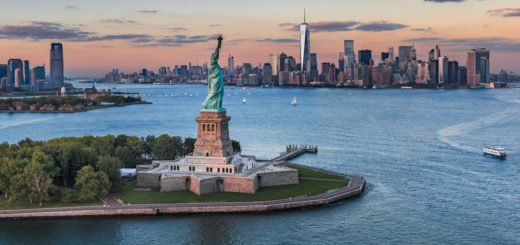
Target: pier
column 293, row 151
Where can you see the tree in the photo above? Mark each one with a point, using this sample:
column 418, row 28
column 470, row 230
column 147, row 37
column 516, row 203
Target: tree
column 189, row 145
column 111, row 167
column 38, row 181
column 147, row 145
column 167, row 147
column 236, row 146
column 91, row 184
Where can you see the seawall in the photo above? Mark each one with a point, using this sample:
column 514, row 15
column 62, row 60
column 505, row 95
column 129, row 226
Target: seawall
column 355, row 188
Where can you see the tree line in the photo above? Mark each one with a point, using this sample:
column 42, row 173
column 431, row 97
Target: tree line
column 79, row 169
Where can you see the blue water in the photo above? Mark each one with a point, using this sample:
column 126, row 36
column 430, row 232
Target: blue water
column 420, row 151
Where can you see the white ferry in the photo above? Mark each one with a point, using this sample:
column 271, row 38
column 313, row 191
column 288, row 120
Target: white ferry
column 495, row 152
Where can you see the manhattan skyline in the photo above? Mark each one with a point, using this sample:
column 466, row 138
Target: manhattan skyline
column 99, row 36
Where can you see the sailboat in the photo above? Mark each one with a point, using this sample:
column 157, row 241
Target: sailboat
column 294, row 101
column 244, row 101
column 349, row 93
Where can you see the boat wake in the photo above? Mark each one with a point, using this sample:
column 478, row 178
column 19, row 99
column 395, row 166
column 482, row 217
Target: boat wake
column 8, row 124
column 447, row 134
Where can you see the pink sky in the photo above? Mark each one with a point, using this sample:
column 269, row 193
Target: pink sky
column 130, row 35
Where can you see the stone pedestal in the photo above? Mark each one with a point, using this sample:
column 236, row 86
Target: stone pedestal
column 213, row 135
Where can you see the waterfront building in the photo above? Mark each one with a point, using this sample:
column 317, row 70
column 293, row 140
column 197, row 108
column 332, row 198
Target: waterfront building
column 56, row 62
column 478, row 66
column 453, row 70
column 39, row 73
column 443, row 71
column 434, row 71
column 350, row 55
column 364, row 56
column 304, row 45
column 12, row 65
column 462, row 75
column 267, row 73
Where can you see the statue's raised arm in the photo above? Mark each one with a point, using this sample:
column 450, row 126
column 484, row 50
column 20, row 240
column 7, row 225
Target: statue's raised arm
column 215, row 83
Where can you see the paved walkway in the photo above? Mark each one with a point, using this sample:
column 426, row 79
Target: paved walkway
column 111, row 201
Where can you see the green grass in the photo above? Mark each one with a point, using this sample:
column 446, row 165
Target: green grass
column 5, row 205
column 308, row 173
column 305, row 187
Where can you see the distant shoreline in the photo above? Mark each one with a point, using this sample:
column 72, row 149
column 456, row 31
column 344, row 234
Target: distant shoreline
column 86, row 109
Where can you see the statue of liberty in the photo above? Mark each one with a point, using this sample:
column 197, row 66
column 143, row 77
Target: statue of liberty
column 213, row 102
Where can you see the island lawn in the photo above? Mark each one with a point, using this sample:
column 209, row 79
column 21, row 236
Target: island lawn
column 311, row 183
column 5, row 205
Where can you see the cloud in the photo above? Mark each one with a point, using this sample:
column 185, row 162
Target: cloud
column 322, row 26
column 378, row 26
column 215, row 25
column 71, row 7
column 132, row 37
column 278, row 40
column 422, row 29
column 38, row 30
column 148, row 11
column 176, row 29
column 491, row 43
column 339, row 26
column 445, row 1
column 118, row 21
column 505, row 12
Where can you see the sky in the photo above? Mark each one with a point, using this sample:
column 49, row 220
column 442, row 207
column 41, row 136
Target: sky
column 98, row 35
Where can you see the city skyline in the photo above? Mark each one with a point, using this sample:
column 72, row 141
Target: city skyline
column 156, row 34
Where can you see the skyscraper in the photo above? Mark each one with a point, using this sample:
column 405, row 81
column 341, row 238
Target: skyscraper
column 18, row 77
column 12, row 65
column 404, row 53
column 364, row 56
column 437, row 52
column 453, row 67
column 274, row 63
column 478, row 66
column 413, row 53
column 304, row 45
column 444, row 75
column 385, row 56
column 391, row 53
column 350, row 55
column 26, row 72
column 3, row 70
column 231, row 64
column 267, row 74
column 313, row 67
column 341, row 62
column 57, row 64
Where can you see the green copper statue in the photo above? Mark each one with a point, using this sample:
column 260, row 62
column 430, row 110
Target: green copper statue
column 213, row 102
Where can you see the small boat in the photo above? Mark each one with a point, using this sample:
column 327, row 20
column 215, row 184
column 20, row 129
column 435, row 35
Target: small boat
column 497, row 152
column 196, row 94
column 349, row 93
column 228, row 95
column 294, row 101
column 173, row 95
column 244, row 101
column 191, row 95
column 166, row 95
column 185, row 93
